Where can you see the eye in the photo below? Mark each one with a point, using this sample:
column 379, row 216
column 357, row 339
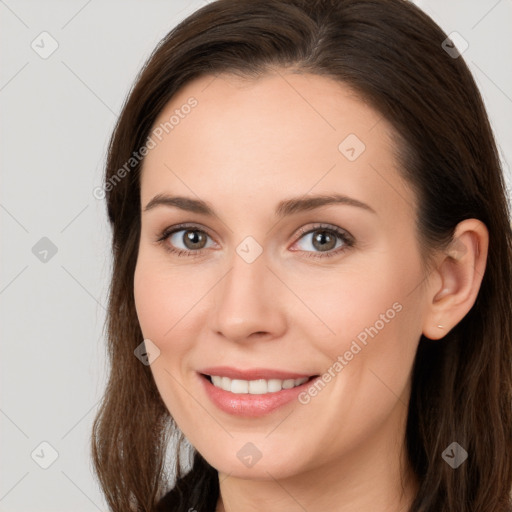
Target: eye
column 325, row 240
column 184, row 240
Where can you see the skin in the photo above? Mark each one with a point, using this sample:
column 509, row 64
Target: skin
column 247, row 145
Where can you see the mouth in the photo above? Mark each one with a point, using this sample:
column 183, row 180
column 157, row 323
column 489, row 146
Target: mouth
column 253, row 392
column 256, row 397
column 257, row 386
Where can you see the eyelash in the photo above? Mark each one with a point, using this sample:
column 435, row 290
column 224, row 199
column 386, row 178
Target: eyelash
column 342, row 234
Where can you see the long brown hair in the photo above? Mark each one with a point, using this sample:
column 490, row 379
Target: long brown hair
column 391, row 53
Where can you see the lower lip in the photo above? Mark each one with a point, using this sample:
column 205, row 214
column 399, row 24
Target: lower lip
column 252, row 406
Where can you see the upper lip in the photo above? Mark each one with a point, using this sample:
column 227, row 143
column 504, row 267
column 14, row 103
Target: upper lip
column 252, row 374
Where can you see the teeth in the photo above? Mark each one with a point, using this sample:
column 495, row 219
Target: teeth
column 255, row 387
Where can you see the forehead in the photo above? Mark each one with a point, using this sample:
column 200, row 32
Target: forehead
column 281, row 134
column 276, row 108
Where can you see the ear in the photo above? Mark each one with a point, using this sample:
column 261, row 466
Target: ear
column 455, row 282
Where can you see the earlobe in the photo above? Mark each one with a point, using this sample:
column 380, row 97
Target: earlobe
column 459, row 275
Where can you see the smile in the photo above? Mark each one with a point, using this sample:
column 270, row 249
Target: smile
column 254, row 387
column 252, row 398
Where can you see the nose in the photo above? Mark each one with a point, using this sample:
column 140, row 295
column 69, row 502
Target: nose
column 249, row 302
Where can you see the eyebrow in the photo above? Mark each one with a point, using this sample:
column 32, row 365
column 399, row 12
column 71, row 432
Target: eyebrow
column 284, row 208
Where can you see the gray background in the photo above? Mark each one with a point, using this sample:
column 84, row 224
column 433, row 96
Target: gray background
column 57, row 116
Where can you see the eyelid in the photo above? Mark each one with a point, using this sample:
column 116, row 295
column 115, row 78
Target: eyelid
column 347, row 239
column 170, row 230
column 328, row 227
column 166, row 232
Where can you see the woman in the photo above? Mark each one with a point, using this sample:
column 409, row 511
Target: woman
column 312, row 265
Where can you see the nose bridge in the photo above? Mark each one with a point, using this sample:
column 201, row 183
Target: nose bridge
column 246, row 301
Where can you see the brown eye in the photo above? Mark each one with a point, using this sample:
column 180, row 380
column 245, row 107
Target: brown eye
column 322, row 241
column 184, row 240
column 194, row 239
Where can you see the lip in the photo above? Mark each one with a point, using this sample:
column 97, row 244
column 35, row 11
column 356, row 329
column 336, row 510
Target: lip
column 252, row 374
column 248, row 405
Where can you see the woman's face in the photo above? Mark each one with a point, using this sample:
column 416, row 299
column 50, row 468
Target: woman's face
column 266, row 278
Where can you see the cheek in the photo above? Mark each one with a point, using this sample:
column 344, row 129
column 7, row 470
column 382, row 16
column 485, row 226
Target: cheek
column 376, row 325
column 348, row 302
column 163, row 301
column 369, row 316
column 161, row 311
column 151, row 302
column 157, row 292
column 168, row 301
